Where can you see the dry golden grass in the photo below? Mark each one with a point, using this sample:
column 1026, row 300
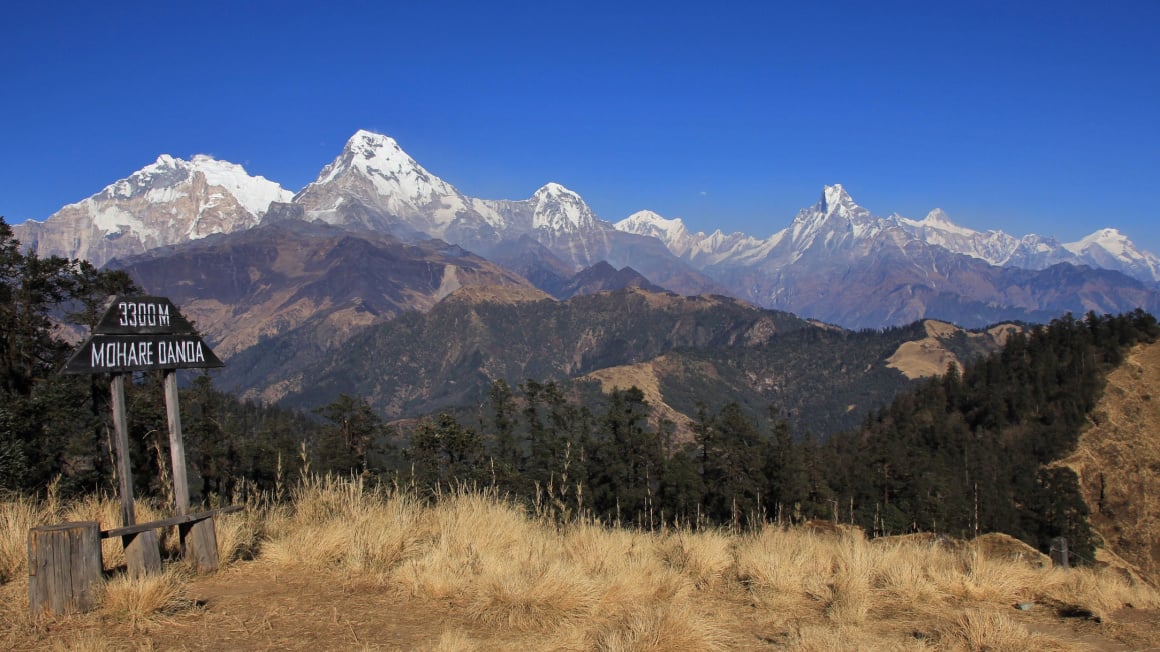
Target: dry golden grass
column 136, row 600
column 475, row 572
column 985, row 630
column 17, row 517
column 238, row 535
column 85, row 641
column 929, row 356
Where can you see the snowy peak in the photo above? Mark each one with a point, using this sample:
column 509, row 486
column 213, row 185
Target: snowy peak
column 833, row 196
column 1110, row 249
column 936, row 227
column 166, row 202
column 1110, row 240
column 558, row 209
column 255, row 194
column 165, row 172
column 696, row 247
column 391, row 171
column 167, row 178
column 375, row 184
column 671, row 232
column 937, row 218
column 836, row 201
column 553, row 191
column 835, row 209
column 649, row 223
column 369, row 144
column 832, row 222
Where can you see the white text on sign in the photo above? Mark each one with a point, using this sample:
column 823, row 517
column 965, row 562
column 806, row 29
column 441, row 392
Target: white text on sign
column 120, row 354
column 143, row 314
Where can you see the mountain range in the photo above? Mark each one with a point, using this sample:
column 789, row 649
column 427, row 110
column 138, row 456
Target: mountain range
column 835, row 261
column 381, row 280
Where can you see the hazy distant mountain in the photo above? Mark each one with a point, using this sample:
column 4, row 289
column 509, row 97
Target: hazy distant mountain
column 603, row 277
column 1103, row 249
column 838, row 262
column 167, row 202
column 252, row 285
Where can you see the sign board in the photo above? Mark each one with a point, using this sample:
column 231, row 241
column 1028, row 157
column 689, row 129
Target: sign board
column 142, row 334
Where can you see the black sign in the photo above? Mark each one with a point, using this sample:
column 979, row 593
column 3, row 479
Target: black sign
column 141, row 334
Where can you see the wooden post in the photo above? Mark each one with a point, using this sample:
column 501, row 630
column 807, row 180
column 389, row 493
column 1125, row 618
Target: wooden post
column 198, row 539
column 121, row 440
column 64, row 567
column 199, row 543
column 142, row 553
column 1059, row 556
column 176, row 445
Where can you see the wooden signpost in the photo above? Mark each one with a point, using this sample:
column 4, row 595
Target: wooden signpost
column 144, row 334
column 137, row 333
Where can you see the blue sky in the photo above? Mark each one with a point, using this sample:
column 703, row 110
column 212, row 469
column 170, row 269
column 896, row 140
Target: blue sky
column 1024, row 116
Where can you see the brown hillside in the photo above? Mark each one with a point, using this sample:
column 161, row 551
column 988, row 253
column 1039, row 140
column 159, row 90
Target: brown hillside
column 930, row 356
column 504, row 294
column 1118, row 461
column 644, row 376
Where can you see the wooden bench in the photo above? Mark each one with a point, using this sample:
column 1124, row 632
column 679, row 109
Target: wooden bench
column 198, row 541
column 64, row 561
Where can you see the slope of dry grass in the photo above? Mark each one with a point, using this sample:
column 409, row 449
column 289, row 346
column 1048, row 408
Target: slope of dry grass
column 342, row 566
column 1118, row 461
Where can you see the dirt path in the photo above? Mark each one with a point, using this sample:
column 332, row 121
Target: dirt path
column 265, row 608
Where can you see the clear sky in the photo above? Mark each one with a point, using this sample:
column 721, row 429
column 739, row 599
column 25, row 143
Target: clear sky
column 1021, row 116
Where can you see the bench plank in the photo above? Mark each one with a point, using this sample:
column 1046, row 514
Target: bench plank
column 168, row 522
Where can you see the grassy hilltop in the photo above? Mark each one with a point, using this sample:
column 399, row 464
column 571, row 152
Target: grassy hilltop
column 341, row 566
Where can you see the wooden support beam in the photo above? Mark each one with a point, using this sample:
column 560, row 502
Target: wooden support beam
column 176, row 445
column 199, row 544
column 142, row 553
column 1059, row 555
column 121, row 443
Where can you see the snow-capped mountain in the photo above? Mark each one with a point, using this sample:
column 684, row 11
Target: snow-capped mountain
column 835, row 260
column 836, row 221
column 838, row 262
column 833, row 223
column 169, row 201
column 375, row 184
column 700, row 249
column 995, row 247
column 559, row 210
column 1104, row 249
column 1110, row 249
